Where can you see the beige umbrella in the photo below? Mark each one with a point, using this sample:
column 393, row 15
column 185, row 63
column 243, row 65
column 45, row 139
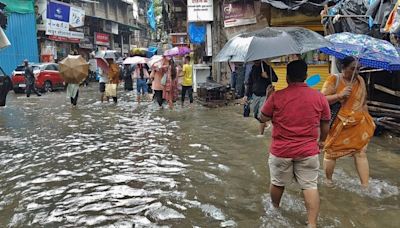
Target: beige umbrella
column 74, row 69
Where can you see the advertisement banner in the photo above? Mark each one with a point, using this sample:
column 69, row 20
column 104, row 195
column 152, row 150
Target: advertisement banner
column 239, row 13
column 41, row 14
column 64, row 39
column 200, row 10
column 77, row 17
column 102, row 39
column 58, row 11
column 63, row 20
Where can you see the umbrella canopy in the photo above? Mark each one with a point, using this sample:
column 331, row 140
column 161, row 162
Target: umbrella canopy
column 369, row 51
column 139, row 52
column 156, row 60
column 270, row 42
column 177, row 51
column 109, row 54
column 74, row 69
column 135, row 60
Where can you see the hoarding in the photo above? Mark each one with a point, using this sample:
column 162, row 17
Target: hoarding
column 200, row 10
column 62, row 20
column 239, row 13
column 102, row 39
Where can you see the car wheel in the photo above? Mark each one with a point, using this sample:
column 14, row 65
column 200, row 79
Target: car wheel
column 48, row 87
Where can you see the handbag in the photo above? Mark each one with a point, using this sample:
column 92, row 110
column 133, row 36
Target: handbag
column 335, row 107
column 111, row 90
column 164, row 80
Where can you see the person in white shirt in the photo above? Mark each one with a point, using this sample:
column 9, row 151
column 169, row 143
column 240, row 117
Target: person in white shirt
column 102, row 82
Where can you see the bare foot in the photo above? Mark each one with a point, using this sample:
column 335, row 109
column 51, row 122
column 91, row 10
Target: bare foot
column 329, row 183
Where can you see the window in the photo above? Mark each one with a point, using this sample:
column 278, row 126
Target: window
column 51, row 67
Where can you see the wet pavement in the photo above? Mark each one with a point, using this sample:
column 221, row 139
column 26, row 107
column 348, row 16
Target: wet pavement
column 106, row 165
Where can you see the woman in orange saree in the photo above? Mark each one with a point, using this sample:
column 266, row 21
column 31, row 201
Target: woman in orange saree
column 353, row 127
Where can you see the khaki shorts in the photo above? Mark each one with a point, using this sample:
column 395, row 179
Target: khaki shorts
column 303, row 170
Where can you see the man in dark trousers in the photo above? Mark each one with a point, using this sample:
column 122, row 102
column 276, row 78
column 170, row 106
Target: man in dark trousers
column 30, row 80
column 256, row 88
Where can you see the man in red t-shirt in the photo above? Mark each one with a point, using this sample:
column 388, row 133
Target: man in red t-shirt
column 300, row 115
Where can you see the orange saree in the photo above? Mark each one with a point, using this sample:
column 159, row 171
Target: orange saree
column 354, row 127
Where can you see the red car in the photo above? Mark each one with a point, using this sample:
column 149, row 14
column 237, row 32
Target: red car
column 47, row 77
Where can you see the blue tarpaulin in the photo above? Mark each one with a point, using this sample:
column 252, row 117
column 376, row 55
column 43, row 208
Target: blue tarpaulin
column 150, row 16
column 197, row 33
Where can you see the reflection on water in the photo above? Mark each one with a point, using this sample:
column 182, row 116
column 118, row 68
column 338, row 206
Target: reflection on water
column 121, row 165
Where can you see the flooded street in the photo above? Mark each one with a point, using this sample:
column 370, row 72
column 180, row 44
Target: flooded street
column 106, row 165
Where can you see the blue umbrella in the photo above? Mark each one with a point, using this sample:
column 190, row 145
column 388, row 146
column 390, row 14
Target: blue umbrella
column 369, row 51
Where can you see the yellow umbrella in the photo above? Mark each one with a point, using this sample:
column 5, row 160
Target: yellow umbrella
column 74, row 69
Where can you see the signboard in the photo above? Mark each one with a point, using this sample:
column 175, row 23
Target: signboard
column 102, row 39
column 200, row 10
column 86, row 43
column 41, row 14
column 62, row 20
column 58, row 11
column 239, row 13
column 64, row 39
column 77, row 17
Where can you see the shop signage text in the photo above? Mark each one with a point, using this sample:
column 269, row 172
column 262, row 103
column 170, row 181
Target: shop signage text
column 200, row 10
column 102, row 39
column 239, row 13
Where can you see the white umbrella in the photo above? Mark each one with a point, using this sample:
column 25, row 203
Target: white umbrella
column 135, row 60
column 156, row 60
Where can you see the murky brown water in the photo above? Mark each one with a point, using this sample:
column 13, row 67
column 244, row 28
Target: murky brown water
column 119, row 166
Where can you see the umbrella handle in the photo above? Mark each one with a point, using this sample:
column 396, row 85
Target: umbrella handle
column 354, row 72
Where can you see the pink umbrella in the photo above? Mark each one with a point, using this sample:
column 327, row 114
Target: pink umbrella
column 177, row 51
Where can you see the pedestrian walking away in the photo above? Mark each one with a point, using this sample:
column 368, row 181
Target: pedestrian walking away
column 300, row 115
column 256, row 88
column 113, row 81
column 127, row 76
column 187, row 83
column 141, row 75
column 30, row 80
column 353, row 127
column 73, row 93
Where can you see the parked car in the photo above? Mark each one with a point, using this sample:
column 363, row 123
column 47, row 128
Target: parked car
column 47, row 76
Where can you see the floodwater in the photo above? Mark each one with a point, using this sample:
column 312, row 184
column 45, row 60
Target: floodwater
column 106, row 165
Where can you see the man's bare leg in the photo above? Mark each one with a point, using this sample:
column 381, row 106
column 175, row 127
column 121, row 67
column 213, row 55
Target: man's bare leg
column 276, row 194
column 262, row 128
column 311, row 200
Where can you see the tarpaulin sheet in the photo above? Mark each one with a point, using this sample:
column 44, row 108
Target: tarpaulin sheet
column 197, row 33
column 19, row 6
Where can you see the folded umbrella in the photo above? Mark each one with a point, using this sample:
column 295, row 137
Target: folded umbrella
column 270, row 42
column 369, row 51
column 74, row 69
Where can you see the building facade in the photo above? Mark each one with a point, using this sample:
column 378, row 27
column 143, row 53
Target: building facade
column 99, row 25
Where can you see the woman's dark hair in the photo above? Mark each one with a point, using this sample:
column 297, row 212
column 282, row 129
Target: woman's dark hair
column 173, row 69
column 347, row 61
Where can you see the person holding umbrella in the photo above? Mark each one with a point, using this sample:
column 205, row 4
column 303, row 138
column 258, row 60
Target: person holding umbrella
column 30, row 80
column 141, row 75
column 74, row 70
column 170, row 90
column 353, row 127
column 261, row 77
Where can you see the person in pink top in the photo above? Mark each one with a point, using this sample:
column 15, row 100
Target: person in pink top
column 170, row 92
column 156, row 75
column 300, row 117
